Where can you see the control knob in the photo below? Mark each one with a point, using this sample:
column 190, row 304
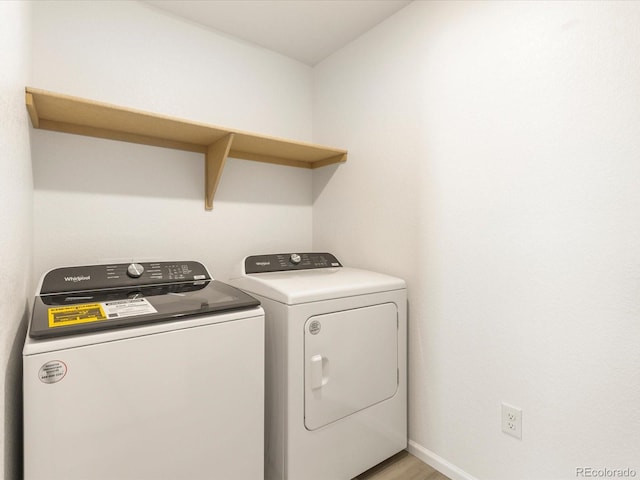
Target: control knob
column 295, row 258
column 135, row 270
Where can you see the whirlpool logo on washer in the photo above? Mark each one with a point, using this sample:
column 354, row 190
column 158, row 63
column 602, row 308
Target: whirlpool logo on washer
column 314, row 327
column 77, row 278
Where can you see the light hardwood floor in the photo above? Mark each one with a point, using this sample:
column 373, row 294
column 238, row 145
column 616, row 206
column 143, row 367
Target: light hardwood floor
column 402, row 466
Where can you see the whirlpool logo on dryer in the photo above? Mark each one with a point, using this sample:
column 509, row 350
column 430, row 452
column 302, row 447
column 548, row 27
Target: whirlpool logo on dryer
column 77, row 278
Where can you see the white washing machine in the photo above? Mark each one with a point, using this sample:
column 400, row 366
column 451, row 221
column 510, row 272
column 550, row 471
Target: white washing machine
column 143, row 372
column 336, row 389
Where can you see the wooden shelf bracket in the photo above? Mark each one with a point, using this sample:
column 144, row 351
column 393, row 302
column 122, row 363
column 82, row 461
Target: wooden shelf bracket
column 214, row 161
column 33, row 113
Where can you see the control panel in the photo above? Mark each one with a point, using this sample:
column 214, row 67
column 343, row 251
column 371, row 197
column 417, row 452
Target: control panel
column 282, row 262
column 121, row 275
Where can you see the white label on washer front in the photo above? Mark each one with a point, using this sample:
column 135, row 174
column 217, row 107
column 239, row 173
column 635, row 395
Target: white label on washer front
column 128, row 308
column 52, row 372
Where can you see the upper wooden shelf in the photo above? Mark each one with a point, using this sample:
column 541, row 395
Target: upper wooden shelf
column 63, row 113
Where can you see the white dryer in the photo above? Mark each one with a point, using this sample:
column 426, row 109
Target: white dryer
column 335, row 385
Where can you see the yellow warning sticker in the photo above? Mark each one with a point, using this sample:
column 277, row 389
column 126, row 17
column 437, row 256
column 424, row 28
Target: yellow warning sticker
column 75, row 314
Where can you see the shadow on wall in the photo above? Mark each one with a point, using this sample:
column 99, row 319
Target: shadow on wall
column 78, row 164
column 321, row 178
column 13, row 426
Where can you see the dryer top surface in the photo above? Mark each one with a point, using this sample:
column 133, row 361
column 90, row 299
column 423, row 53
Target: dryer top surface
column 304, row 286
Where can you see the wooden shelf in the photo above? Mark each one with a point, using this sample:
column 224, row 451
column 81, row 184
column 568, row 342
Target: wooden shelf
column 63, row 113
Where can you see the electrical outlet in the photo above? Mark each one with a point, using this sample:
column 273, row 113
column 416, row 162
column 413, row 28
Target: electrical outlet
column 512, row 420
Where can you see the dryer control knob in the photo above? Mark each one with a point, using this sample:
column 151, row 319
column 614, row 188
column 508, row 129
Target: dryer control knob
column 135, row 270
column 295, row 258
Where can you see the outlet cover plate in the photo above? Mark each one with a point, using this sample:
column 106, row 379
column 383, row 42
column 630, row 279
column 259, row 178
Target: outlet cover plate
column 512, row 420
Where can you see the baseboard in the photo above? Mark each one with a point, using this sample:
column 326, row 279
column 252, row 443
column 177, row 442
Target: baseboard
column 437, row 462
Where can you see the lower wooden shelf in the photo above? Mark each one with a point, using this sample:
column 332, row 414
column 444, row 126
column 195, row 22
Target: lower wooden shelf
column 63, row 113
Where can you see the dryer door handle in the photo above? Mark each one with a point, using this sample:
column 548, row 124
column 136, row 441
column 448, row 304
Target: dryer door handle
column 317, row 380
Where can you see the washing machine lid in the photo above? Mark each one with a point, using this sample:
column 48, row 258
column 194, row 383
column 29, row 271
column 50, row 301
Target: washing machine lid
column 297, row 285
column 76, row 300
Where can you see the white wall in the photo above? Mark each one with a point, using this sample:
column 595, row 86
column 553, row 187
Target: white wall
column 98, row 200
column 16, row 187
column 493, row 163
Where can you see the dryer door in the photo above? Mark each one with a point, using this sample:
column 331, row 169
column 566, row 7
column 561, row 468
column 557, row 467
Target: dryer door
column 351, row 362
